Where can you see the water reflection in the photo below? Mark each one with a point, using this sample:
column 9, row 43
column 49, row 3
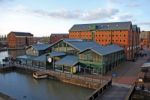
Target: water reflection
column 15, row 53
column 22, row 86
column 11, row 53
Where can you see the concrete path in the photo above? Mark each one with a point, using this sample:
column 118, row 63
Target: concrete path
column 114, row 93
column 127, row 72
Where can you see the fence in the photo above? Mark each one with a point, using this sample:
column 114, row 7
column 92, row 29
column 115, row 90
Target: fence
column 81, row 80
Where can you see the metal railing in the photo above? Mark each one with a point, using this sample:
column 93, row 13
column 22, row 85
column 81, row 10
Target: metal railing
column 86, row 78
column 100, row 90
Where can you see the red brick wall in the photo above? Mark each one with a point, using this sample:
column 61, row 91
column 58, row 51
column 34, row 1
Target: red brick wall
column 124, row 38
column 11, row 39
column 16, row 42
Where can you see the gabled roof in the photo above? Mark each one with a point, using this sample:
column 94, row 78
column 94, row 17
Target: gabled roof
column 61, row 34
column 139, row 30
column 22, row 33
column 72, row 40
column 102, row 26
column 41, row 46
column 84, row 45
column 42, row 58
column 68, row 61
column 135, row 28
column 55, row 54
column 105, row 49
column 80, row 44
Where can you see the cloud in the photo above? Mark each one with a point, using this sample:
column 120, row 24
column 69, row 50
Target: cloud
column 133, row 5
column 123, row 17
column 145, row 23
column 95, row 14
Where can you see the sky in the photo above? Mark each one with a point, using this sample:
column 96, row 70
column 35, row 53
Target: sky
column 43, row 17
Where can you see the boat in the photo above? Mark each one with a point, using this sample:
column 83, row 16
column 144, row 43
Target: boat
column 40, row 75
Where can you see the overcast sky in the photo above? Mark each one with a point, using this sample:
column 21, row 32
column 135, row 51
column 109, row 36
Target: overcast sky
column 43, row 17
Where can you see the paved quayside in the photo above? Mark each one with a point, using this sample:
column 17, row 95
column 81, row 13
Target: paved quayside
column 115, row 92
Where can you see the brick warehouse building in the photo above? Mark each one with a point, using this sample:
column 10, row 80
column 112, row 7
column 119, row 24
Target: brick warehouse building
column 19, row 39
column 58, row 36
column 145, row 39
column 123, row 34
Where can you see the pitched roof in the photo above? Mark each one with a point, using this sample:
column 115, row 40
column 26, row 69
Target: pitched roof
column 84, row 45
column 22, row 33
column 41, row 46
column 59, row 34
column 102, row 26
column 134, row 27
column 41, row 58
column 55, row 54
column 81, row 44
column 68, row 61
column 105, row 49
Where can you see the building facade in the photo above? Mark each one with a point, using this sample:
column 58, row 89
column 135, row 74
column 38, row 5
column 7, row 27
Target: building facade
column 102, row 60
column 56, row 37
column 36, row 56
column 19, row 39
column 87, row 56
column 123, row 34
column 145, row 39
column 74, row 56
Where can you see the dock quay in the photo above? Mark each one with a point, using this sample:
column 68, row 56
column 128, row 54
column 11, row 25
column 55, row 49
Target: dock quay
column 79, row 80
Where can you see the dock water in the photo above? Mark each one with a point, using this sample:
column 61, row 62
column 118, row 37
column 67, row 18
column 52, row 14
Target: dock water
column 79, row 80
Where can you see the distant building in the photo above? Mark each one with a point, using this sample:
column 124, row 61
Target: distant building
column 19, row 39
column 123, row 34
column 3, row 41
column 43, row 40
column 145, row 39
column 58, row 36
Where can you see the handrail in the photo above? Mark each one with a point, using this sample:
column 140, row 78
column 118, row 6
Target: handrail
column 100, row 90
column 129, row 94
